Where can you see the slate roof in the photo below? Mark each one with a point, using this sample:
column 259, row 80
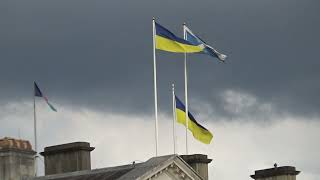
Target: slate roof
column 126, row 172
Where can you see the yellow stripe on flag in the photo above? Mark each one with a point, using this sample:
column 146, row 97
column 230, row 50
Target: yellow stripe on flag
column 198, row 132
column 174, row 46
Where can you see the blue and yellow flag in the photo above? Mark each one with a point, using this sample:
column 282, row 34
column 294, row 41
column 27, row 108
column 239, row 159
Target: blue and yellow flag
column 192, row 38
column 199, row 132
column 167, row 41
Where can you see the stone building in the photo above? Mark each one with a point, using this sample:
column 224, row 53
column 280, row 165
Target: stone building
column 276, row 173
column 72, row 161
column 16, row 159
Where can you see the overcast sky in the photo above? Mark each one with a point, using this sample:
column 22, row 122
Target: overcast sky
column 93, row 59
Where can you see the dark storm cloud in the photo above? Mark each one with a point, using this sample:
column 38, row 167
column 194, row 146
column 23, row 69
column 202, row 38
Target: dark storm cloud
column 98, row 54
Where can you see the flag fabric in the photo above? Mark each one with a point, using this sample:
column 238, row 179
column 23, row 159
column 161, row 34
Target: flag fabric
column 38, row 93
column 198, row 131
column 191, row 37
column 167, row 41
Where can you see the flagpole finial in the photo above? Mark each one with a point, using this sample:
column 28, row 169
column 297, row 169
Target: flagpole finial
column 172, row 85
column 153, row 18
column 184, row 23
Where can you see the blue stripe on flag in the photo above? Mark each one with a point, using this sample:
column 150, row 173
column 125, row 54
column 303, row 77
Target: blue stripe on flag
column 163, row 32
column 208, row 49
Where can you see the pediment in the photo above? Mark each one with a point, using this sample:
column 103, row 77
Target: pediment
column 175, row 169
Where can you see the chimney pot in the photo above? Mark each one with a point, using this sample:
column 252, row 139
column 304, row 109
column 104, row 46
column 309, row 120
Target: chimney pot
column 277, row 173
column 199, row 162
column 16, row 159
column 67, row 157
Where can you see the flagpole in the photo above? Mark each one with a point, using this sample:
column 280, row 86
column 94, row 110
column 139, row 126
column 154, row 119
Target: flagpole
column 35, row 132
column 155, row 86
column 174, row 119
column 186, row 89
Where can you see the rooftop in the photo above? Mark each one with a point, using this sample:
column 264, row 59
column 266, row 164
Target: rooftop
column 276, row 171
column 125, row 172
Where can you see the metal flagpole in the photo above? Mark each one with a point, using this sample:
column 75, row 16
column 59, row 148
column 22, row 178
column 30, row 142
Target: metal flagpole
column 155, row 85
column 174, row 119
column 35, row 131
column 186, row 89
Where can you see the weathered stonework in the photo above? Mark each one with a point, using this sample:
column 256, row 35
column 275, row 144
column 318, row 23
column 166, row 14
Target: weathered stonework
column 199, row 162
column 67, row 158
column 16, row 159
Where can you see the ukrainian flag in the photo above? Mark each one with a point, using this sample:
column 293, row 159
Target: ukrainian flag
column 167, row 41
column 199, row 132
column 192, row 38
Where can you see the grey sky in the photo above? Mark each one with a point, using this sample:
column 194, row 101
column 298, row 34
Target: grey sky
column 237, row 150
column 99, row 53
column 94, row 61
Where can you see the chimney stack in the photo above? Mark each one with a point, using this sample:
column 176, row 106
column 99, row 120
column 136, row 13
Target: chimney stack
column 199, row 162
column 16, row 159
column 67, row 158
column 276, row 173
